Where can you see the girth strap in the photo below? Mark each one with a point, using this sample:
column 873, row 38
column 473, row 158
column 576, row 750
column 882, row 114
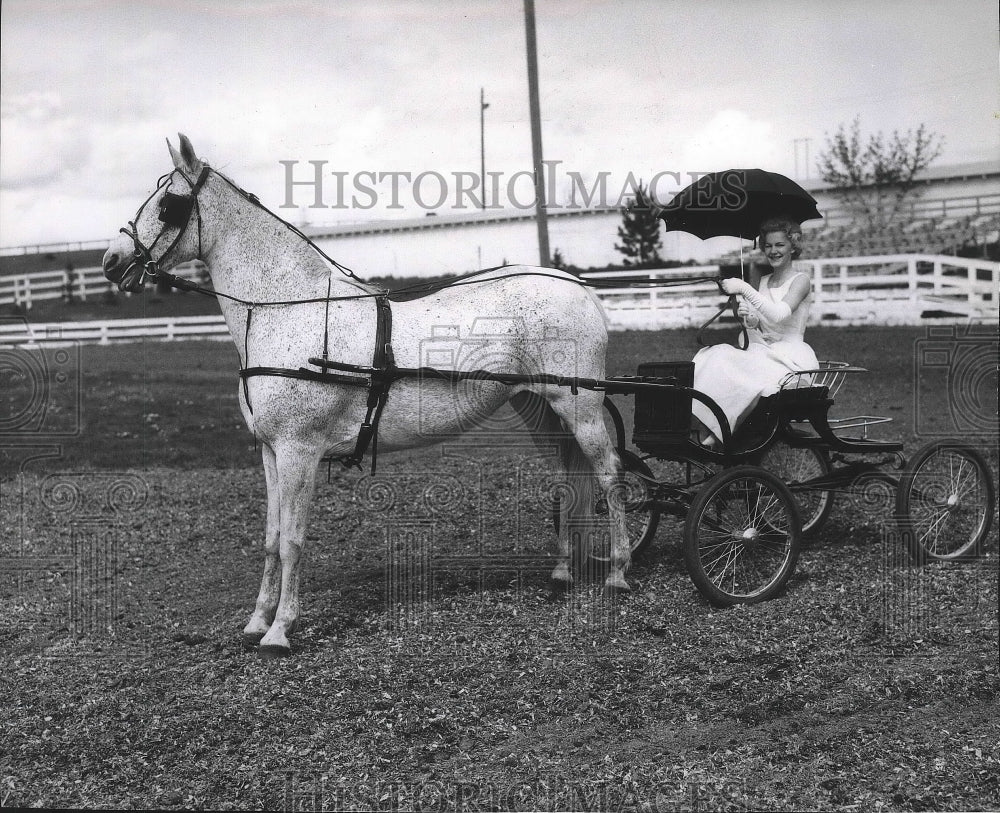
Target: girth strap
column 381, row 375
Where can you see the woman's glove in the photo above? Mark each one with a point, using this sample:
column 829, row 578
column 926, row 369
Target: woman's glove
column 731, row 286
column 747, row 314
column 774, row 311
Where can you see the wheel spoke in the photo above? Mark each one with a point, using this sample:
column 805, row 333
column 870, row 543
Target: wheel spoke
column 946, row 501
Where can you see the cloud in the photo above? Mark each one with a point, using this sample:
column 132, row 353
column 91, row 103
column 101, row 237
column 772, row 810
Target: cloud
column 731, row 138
column 42, row 141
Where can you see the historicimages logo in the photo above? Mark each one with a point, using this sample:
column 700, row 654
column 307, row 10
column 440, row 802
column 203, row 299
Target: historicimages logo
column 955, row 381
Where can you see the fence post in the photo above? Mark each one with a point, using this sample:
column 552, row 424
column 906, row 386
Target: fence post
column 27, row 292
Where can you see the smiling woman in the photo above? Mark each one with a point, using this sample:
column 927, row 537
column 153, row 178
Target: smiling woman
column 775, row 318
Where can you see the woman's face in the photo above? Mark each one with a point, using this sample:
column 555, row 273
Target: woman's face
column 777, row 249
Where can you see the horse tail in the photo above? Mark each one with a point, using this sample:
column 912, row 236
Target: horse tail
column 547, row 428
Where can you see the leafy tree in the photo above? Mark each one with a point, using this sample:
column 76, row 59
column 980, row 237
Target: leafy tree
column 639, row 232
column 874, row 179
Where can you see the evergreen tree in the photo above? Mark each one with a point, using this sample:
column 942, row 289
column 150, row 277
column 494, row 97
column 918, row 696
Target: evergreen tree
column 639, row 232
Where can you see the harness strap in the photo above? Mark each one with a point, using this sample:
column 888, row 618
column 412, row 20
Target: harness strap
column 730, row 305
column 305, row 374
column 381, row 375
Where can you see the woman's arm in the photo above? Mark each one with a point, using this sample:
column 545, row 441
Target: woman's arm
column 775, row 311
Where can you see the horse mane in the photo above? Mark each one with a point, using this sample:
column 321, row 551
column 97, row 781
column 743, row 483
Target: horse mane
column 351, row 278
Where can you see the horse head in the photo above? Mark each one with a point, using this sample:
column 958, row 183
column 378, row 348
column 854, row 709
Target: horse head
column 167, row 227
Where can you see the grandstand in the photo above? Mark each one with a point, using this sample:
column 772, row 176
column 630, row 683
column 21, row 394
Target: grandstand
column 967, row 236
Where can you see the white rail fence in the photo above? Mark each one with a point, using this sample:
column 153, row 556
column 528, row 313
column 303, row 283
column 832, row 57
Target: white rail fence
column 886, row 290
column 23, row 290
column 21, row 333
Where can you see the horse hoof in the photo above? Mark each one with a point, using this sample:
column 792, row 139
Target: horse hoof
column 273, row 652
column 251, row 639
column 615, row 584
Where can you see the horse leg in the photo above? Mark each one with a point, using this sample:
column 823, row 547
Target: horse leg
column 546, row 429
column 270, row 585
column 562, row 577
column 296, row 481
column 594, row 453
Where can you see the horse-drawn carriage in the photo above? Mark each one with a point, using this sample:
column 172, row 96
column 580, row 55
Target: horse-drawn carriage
column 747, row 504
column 309, row 379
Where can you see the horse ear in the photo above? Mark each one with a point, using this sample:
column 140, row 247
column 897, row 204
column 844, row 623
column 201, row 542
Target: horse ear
column 185, row 159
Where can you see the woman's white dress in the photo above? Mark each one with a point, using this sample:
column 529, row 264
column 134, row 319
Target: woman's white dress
column 736, row 379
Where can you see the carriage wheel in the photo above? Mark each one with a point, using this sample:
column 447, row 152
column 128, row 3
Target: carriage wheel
column 945, row 502
column 641, row 516
column 796, row 465
column 741, row 537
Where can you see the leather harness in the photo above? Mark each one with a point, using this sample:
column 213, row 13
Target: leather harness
column 378, row 379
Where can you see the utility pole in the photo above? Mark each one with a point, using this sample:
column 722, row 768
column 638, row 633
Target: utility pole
column 536, row 134
column 795, row 147
column 482, row 144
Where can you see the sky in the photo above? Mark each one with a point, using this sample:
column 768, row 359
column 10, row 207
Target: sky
column 272, row 92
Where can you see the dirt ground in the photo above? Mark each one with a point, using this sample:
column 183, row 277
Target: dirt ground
column 433, row 668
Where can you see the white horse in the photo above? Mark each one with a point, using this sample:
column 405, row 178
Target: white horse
column 284, row 304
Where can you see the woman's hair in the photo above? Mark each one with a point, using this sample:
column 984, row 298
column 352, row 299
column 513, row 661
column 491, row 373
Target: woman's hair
column 792, row 230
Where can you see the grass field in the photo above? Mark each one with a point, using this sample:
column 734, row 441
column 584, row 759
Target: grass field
column 132, row 545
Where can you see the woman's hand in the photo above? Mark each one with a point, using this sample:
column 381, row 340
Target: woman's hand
column 735, row 286
column 748, row 314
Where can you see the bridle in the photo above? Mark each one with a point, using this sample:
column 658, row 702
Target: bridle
column 175, row 213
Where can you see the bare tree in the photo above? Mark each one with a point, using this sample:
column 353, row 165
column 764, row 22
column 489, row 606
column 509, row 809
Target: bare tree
column 874, row 179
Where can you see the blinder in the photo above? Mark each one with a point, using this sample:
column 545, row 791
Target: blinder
column 176, row 209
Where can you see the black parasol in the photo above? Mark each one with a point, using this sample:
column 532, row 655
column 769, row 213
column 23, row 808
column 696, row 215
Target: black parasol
column 735, row 202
